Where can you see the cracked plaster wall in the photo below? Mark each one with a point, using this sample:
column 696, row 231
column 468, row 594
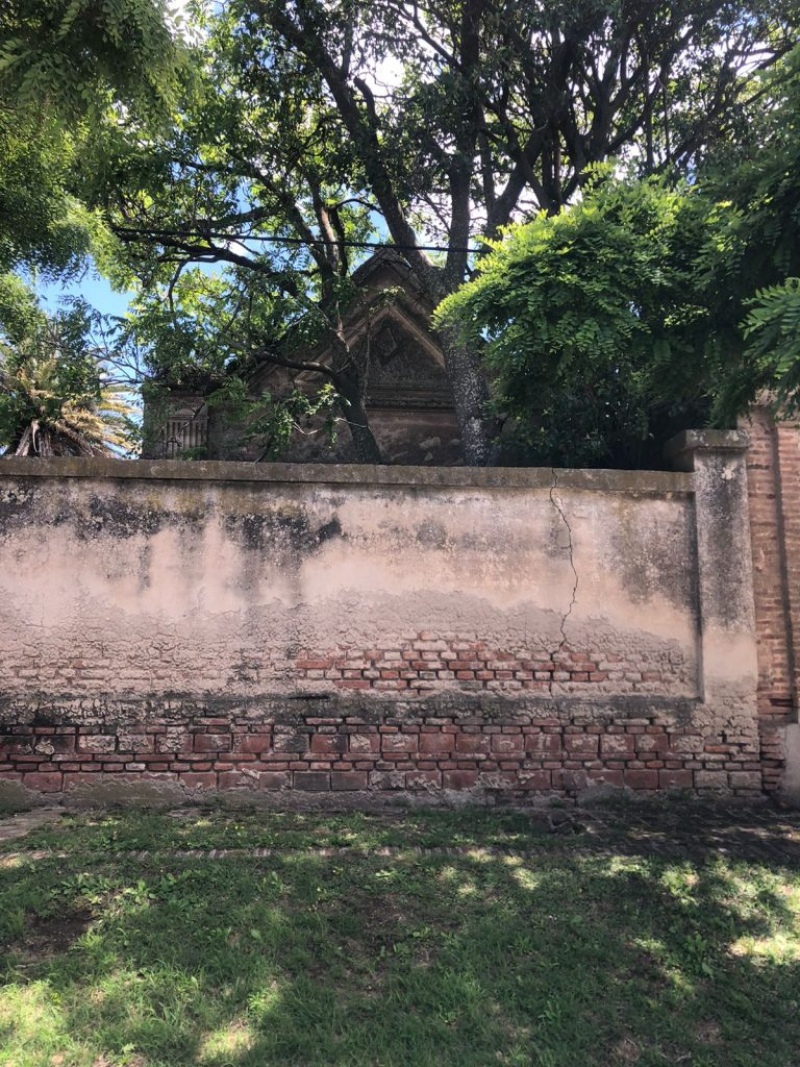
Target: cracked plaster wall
column 148, row 586
column 434, row 632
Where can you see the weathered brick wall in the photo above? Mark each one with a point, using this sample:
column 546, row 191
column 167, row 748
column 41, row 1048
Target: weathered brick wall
column 773, row 468
column 425, row 662
column 375, row 632
column 503, row 753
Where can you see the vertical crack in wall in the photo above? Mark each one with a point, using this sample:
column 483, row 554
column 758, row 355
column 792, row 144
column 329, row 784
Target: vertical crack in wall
column 563, row 626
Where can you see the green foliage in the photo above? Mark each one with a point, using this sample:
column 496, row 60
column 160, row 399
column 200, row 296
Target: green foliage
column 185, row 332
column 42, row 225
column 647, row 305
column 328, row 123
column 275, row 124
column 255, row 153
column 263, row 423
column 772, row 330
column 64, row 65
column 269, row 422
column 751, row 261
column 204, row 336
column 73, row 56
column 55, row 398
column 585, row 317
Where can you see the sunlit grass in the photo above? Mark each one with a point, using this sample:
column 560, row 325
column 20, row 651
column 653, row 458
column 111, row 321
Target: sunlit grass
column 228, row 1041
column 777, row 949
column 569, row 952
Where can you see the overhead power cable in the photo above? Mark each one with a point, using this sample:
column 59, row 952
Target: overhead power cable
column 299, row 241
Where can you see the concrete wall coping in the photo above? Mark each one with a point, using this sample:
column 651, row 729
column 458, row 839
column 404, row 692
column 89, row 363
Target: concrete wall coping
column 680, row 449
column 608, row 481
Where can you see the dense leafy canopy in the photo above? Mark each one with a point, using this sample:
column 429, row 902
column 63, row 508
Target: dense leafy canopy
column 252, row 177
column 71, row 58
column 244, row 175
column 753, row 258
column 589, row 319
column 42, row 225
column 63, row 68
column 646, row 304
column 311, row 127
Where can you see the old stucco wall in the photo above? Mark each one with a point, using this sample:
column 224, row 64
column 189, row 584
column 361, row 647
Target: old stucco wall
column 385, row 630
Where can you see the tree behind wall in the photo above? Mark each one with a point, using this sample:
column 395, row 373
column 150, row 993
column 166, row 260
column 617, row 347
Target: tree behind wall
column 754, row 258
column 593, row 326
column 325, row 124
column 62, row 66
column 646, row 303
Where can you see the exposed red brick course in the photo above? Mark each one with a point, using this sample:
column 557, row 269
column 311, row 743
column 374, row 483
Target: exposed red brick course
column 515, row 760
column 418, row 666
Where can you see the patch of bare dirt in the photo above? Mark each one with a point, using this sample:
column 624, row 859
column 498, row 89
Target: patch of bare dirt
column 626, row 1050
column 45, row 938
column 13, row 827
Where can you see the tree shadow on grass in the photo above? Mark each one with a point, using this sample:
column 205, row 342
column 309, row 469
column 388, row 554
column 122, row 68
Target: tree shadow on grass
column 573, row 954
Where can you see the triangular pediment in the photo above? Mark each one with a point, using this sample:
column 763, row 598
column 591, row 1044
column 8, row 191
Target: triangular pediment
column 389, row 328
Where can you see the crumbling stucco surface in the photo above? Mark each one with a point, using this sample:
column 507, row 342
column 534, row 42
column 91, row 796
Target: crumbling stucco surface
column 149, row 596
column 147, row 586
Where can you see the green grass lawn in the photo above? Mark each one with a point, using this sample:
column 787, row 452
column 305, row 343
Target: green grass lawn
column 462, row 938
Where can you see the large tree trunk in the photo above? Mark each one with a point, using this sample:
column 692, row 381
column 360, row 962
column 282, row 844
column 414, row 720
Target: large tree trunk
column 351, row 404
column 478, row 427
column 470, row 390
